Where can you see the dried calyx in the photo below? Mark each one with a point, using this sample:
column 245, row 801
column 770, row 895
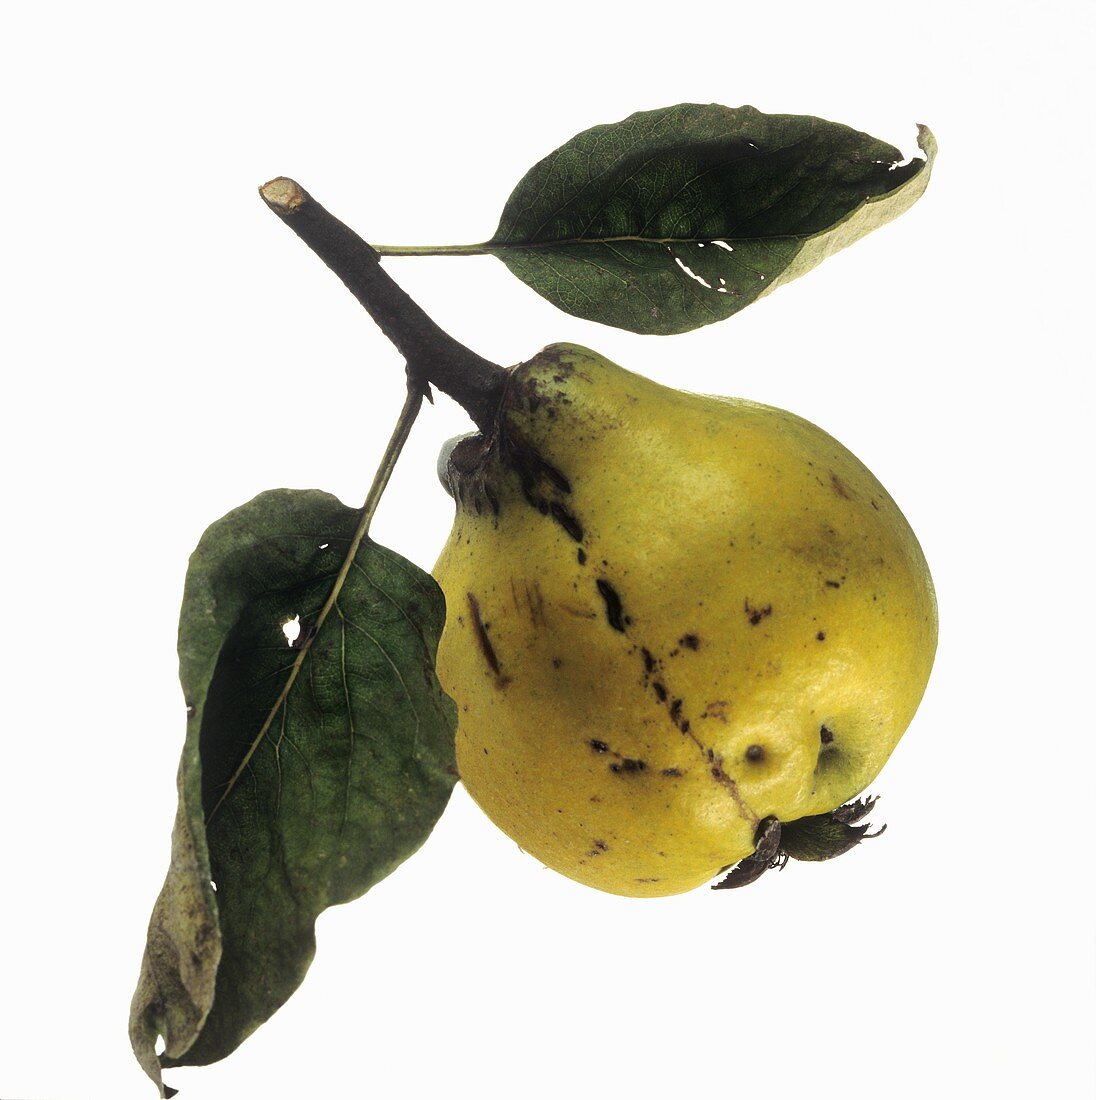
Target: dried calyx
column 811, row 839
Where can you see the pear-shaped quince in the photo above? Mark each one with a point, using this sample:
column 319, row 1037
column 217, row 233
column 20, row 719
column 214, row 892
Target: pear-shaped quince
column 675, row 623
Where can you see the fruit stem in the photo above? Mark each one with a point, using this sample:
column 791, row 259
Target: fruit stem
column 432, row 354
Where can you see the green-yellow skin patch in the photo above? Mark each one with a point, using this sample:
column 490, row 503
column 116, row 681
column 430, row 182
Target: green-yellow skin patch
column 716, row 615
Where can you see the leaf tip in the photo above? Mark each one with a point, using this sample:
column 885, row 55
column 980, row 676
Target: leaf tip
column 926, row 141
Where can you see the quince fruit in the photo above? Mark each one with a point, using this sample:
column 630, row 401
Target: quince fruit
column 677, row 625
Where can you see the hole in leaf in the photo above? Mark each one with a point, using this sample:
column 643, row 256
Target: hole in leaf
column 214, row 885
column 724, row 245
column 160, row 1045
column 692, row 274
column 324, row 545
column 292, row 630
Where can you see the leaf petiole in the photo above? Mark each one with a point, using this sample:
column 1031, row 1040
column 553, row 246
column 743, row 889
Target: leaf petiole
column 408, row 414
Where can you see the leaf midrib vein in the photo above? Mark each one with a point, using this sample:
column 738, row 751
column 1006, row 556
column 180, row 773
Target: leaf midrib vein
column 399, row 437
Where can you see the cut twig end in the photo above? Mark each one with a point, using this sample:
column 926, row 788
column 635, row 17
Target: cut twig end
column 283, row 194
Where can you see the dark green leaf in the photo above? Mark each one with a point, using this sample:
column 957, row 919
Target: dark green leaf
column 679, row 217
column 309, row 772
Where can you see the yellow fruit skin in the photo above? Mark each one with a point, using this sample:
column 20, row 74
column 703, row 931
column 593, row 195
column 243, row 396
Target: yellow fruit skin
column 768, row 587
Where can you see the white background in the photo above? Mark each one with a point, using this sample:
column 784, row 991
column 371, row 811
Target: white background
column 171, row 350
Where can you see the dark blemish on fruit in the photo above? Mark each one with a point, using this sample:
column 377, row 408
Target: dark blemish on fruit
column 875, row 506
column 659, row 690
column 614, row 609
column 554, row 475
column 535, row 600
column 833, row 584
column 672, row 773
column 648, row 880
column 756, row 614
column 601, row 846
column 484, row 641
column 598, row 746
column 581, row 556
column 826, row 734
column 648, row 661
column 840, row 488
column 821, row 635
column 675, row 710
column 566, row 520
column 685, row 726
column 557, row 662
column 755, row 754
column 690, row 641
column 627, row 764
